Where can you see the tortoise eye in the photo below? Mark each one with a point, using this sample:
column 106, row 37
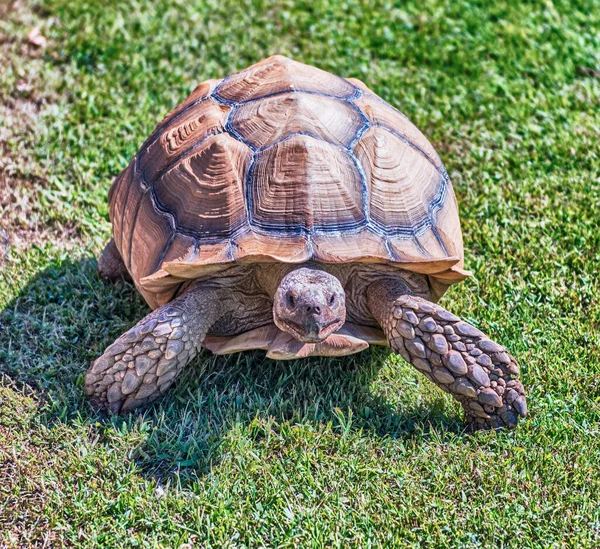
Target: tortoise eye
column 332, row 299
column 291, row 300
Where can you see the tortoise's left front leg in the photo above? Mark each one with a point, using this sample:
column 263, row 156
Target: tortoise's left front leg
column 455, row 355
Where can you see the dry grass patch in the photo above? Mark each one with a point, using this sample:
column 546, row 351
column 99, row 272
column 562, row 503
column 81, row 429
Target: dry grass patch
column 27, row 97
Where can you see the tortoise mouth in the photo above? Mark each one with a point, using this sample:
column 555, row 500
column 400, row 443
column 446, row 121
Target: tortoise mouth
column 311, row 335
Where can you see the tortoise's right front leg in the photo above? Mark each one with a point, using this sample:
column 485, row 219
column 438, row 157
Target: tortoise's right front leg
column 141, row 364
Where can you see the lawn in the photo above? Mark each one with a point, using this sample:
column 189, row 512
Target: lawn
column 354, row 452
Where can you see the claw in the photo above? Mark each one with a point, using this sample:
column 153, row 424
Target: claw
column 521, row 406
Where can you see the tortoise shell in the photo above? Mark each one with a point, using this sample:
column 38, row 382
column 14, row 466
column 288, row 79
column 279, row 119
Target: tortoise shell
column 283, row 162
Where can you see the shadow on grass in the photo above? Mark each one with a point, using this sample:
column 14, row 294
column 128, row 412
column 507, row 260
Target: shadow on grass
column 65, row 316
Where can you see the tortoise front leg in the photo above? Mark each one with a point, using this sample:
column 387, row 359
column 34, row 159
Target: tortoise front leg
column 455, row 355
column 140, row 365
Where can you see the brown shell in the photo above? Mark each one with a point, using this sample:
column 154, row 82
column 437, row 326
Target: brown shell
column 283, row 162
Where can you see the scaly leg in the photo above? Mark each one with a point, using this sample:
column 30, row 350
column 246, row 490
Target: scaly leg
column 110, row 263
column 140, row 365
column 455, row 355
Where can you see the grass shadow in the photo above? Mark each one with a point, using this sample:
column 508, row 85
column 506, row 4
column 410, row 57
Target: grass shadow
column 65, row 316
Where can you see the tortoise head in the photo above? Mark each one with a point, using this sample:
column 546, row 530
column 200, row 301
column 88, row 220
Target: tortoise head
column 309, row 304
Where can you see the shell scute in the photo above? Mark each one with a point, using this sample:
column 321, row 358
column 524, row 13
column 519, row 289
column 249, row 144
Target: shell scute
column 351, row 246
column 205, row 190
column 264, row 122
column 381, row 114
column 258, row 246
column 180, row 136
column 126, row 223
column 117, row 199
column 201, row 92
column 278, row 74
column 151, row 233
column 302, row 184
column 403, row 185
column 181, row 248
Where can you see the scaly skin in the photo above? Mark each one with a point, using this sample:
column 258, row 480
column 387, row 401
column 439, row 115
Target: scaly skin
column 110, row 263
column 140, row 365
column 460, row 359
column 455, row 355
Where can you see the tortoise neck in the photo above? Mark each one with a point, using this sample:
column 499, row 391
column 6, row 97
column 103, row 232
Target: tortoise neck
column 270, row 275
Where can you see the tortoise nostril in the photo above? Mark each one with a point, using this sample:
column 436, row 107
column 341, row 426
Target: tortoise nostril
column 313, row 309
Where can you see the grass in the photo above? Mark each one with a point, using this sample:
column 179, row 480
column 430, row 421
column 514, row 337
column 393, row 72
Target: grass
column 246, row 452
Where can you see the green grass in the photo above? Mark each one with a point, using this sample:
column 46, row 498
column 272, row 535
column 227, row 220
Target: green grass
column 360, row 452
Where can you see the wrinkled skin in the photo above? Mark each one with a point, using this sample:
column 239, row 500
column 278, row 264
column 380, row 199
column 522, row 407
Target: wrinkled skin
column 310, row 302
column 310, row 305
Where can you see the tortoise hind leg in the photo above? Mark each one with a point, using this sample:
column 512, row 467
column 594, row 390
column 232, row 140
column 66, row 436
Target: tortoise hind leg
column 455, row 355
column 111, row 266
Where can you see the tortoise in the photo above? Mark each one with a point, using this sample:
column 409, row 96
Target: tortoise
column 288, row 209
